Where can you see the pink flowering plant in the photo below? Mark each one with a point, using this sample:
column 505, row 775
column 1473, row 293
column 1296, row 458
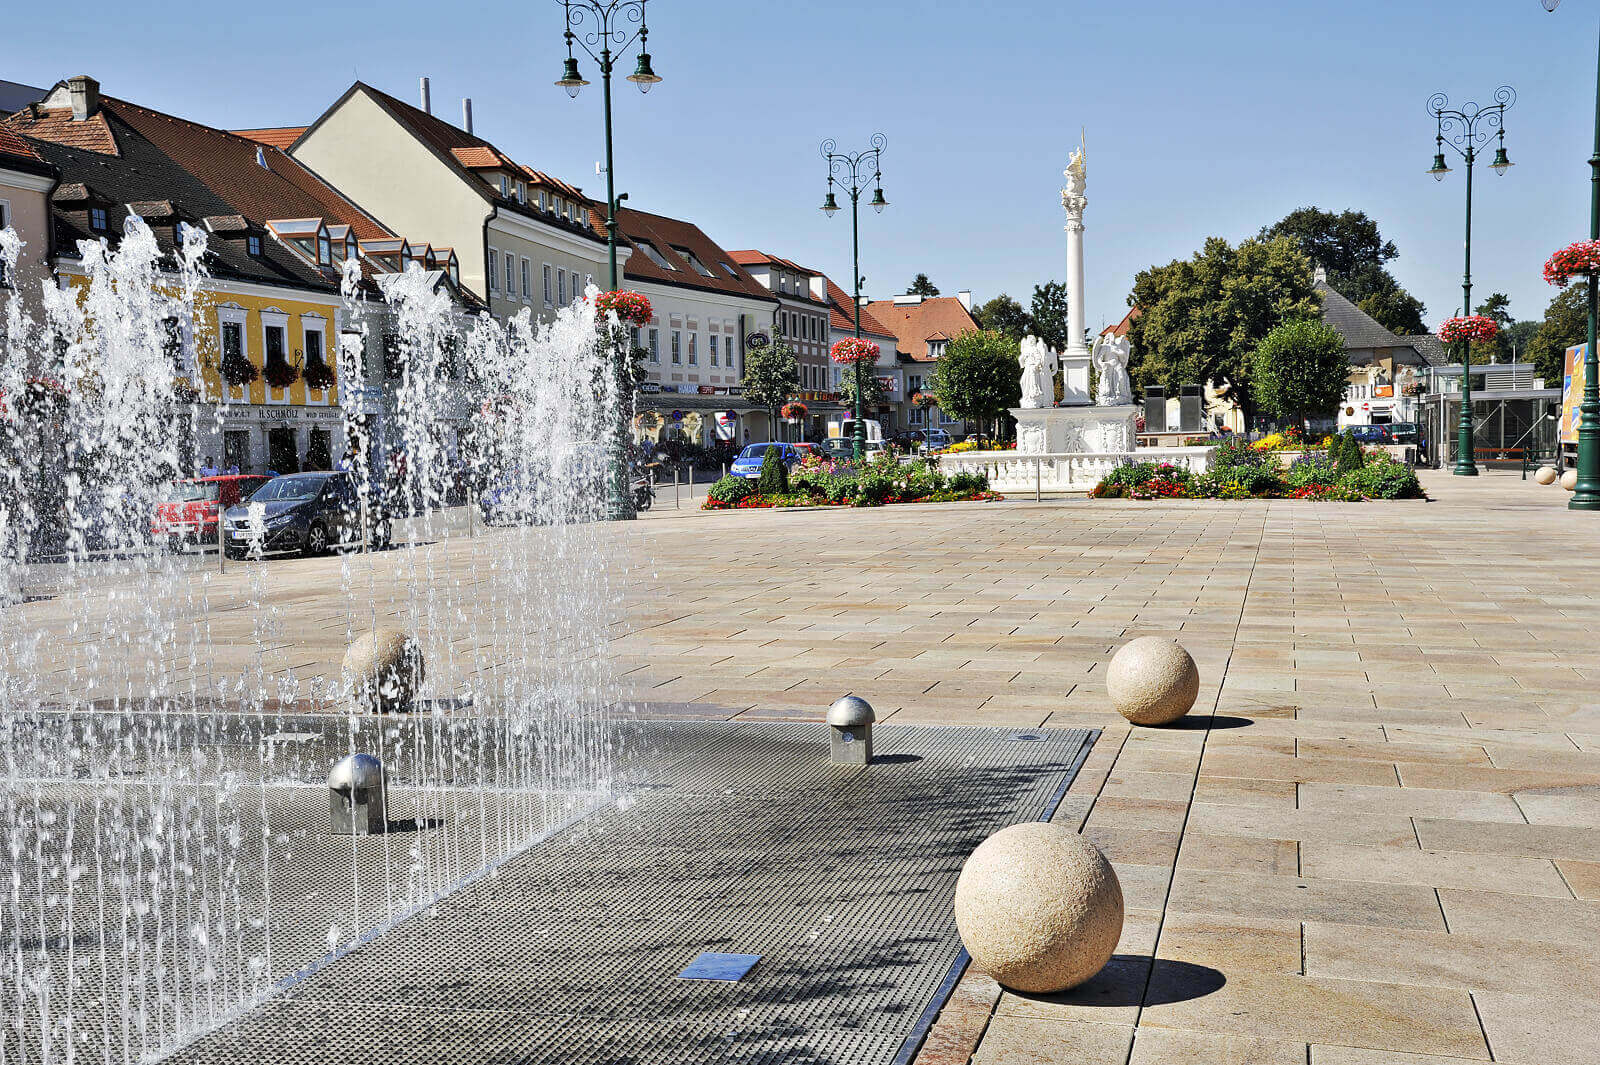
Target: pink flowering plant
column 1580, row 258
column 629, row 307
column 1473, row 327
column 793, row 410
column 854, row 350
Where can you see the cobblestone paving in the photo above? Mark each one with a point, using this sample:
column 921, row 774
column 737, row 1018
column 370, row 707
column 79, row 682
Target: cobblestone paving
column 1376, row 840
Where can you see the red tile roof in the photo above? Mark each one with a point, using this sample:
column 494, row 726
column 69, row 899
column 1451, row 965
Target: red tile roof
column 841, row 317
column 937, row 318
column 481, row 157
column 277, row 136
column 752, row 257
column 665, row 235
column 14, row 147
column 1121, row 328
column 93, row 134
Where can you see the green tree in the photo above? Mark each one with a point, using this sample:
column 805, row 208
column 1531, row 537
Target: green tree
column 1050, row 314
column 1300, row 371
column 1352, row 251
column 978, row 379
column 874, row 393
column 923, row 287
column 1566, row 322
column 771, row 376
column 1004, row 315
column 1519, row 335
column 1201, row 318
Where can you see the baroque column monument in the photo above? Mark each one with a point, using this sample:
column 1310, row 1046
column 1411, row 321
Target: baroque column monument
column 1108, row 426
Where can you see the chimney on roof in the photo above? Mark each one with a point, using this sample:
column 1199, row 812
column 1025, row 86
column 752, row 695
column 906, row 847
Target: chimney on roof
column 427, row 97
column 1319, row 274
column 966, row 299
column 85, row 97
column 466, row 113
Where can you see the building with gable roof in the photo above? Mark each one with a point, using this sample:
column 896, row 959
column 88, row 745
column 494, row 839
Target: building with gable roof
column 445, row 184
column 1384, row 368
column 26, row 182
column 278, row 238
column 925, row 325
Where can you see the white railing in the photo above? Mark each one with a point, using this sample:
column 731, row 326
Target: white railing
column 1076, row 471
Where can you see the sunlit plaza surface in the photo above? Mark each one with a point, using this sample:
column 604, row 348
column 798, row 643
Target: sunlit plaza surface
column 1375, row 840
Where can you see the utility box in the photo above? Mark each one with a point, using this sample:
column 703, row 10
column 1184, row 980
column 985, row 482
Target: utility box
column 850, row 731
column 1155, row 409
column 1191, row 403
column 358, row 796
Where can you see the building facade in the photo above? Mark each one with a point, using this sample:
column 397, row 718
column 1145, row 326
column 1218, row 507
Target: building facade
column 26, row 182
column 802, row 318
column 924, row 327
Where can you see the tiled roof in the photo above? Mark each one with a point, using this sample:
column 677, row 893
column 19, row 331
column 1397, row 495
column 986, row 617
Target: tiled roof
column 841, row 316
column 752, row 257
column 276, row 137
column 17, row 154
column 1358, row 327
column 175, row 169
column 665, row 234
column 446, row 139
column 1121, row 328
column 93, row 134
column 1430, row 348
column 481, row 158
column 539, row 177
column 914, row 324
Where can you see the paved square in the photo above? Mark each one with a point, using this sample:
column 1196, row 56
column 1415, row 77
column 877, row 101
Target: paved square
column 1376, row 841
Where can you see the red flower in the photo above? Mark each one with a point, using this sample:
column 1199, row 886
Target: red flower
column 854, row 349
column 629, row 307
column 1472, row 327
column 793, row 411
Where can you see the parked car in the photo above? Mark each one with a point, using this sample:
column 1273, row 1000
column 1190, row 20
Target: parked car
column 748, row 464
column 1404, row 432
column 842, row 449
column 195, row 505
column 805, row 449
column 1372, row 434
column 921, row 440
column 309, row 513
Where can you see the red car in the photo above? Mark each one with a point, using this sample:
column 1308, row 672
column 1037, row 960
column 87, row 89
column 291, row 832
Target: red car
column 190, row 513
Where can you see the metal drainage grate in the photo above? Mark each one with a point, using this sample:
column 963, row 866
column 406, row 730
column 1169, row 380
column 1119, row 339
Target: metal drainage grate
column 749, row 844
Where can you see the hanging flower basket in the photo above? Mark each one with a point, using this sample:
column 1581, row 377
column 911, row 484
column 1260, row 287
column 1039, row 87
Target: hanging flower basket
column 793, row 411
column 238, row 371
column 923, row 399
column 854, row 350
column 319, row 376
column 1580, row 258
column 629, row 307
column 281, row 374
column 1472, row 327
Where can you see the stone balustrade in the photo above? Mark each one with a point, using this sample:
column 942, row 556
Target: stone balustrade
column 1077, row 471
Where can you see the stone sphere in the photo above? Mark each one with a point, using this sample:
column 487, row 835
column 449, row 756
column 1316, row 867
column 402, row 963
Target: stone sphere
column 1545, row 475
column 1039, row 908
column 384, row 669
column 1569, row 480
column 1152, row 681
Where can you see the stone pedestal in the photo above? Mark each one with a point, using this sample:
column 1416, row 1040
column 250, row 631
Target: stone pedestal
column 1075, row 378
column 1065, row 430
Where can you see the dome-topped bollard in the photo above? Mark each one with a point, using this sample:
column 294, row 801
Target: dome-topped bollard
column 384, row 669
column 358, row 796
column 1152, row 681
column 850, row 731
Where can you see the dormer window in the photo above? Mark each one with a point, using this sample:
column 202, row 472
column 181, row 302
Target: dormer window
column 252, row 244
column 522, row 192
column 653, row 255
column 324, row 249
column 97, row 219
column 544, row 201
column 505, row 186
column 693, row 260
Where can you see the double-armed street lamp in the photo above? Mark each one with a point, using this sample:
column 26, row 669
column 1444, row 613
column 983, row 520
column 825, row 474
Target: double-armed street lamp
column 602, row 24
column 1467, row 129
column 853, row 172
column 1586, row 496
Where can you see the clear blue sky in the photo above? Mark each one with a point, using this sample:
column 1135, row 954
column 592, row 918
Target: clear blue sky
column 1202, row 119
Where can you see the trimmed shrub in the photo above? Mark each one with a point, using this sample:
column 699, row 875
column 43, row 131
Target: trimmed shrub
column 1349, row 456
column 774, row 479
column 731, row 490
column 1383, row 478
column 967, row 483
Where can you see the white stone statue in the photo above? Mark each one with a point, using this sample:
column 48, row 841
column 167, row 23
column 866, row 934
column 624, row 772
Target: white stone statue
column 1038, row 363
column 1111, row 362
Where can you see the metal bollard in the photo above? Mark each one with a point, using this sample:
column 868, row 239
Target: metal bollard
column 850, row 731
column 222, row 542
column 675, row 504
column 358, row 796
column 1038, row 465
column 366, row 529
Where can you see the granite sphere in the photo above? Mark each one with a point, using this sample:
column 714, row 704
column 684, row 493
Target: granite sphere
column 384, row 669
column 1152, row 681
column 1569, row 480
column 1545, row 475
column 1039, row 908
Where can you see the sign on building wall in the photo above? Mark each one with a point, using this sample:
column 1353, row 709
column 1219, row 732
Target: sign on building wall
column 1383, row 378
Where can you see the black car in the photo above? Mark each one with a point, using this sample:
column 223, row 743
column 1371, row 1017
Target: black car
column 308, row 513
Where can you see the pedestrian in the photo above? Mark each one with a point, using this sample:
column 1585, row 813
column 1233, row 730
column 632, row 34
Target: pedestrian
column 208, row 468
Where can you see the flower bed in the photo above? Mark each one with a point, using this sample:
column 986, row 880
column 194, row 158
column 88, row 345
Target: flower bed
column 977, row 444
column 820, row 482
column 1344, row 473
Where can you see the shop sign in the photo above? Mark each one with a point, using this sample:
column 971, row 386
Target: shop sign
column 649, row 388
column 707, row 390
column 757, row 340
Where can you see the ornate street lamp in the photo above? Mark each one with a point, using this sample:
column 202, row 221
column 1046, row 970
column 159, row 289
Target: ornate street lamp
column 1586, row 496
column 1465, row 130
column 610, row 27
column 853, row 172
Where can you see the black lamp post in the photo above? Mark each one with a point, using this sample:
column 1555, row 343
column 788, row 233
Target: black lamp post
column 611, row 26
column 1586, row 496
column 854, row 172
column 1465, row 130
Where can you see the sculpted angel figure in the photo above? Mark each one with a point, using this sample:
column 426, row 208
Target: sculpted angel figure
column 1038, row 373
column 1110, row 358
